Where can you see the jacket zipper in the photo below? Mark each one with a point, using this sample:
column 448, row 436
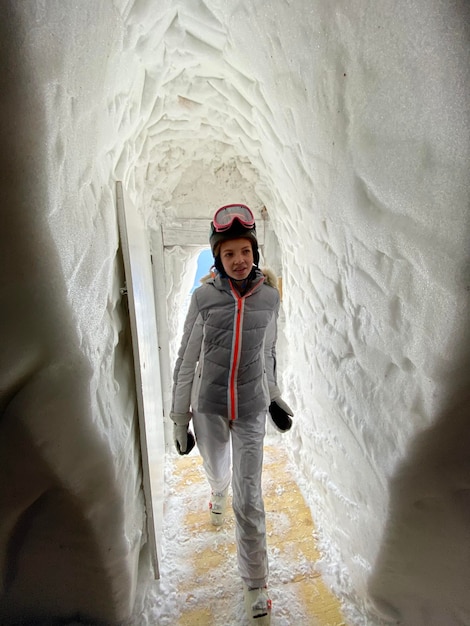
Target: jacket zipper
column 240, row 300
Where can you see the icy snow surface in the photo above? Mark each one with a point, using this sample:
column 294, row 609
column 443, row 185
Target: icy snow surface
column 349, row 122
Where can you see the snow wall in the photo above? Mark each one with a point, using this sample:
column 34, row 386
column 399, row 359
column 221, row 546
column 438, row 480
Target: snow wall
column 349, row 122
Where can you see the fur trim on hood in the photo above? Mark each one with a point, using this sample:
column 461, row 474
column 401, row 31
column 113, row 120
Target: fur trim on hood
column 270, row 276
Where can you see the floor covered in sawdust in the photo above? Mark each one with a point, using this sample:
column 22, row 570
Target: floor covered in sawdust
column 199, row 560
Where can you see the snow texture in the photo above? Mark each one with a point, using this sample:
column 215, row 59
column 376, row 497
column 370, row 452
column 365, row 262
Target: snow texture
column 350, row 123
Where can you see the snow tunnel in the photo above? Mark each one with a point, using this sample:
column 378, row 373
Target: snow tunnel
column 345, row 126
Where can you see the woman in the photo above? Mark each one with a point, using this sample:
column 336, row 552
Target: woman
column 225, row 381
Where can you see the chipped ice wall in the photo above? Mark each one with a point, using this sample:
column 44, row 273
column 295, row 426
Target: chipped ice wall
column 375, row 252
column 180, row 270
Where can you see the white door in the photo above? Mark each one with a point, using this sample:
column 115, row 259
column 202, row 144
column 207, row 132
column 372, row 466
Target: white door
column 138, row 269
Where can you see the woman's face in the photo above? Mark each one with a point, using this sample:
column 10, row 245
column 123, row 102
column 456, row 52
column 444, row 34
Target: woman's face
column 237, row 258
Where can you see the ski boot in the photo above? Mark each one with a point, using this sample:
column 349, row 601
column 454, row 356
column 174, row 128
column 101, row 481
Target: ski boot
column 258, row 606
column 217, row 507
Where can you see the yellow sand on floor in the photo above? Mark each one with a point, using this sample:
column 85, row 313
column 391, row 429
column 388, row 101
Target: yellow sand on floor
column 295, row 542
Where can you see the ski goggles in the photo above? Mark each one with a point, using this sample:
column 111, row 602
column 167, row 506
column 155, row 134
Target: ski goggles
column 225, row 216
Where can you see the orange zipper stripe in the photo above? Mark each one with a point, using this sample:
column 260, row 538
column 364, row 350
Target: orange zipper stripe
column 236, row 360
column 240, row 300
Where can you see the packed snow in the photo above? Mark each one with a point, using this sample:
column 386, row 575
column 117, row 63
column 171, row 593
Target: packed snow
column 346, row 125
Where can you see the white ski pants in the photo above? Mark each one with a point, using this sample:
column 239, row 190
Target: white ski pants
column 243, row 463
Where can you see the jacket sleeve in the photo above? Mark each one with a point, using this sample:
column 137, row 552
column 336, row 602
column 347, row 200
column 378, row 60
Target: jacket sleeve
column 270, row 354
column 188, row 356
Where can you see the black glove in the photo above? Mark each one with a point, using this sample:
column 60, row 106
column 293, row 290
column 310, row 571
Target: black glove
column 280, row 413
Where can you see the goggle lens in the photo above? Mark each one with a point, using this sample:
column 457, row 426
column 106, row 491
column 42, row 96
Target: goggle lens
column 224, row 217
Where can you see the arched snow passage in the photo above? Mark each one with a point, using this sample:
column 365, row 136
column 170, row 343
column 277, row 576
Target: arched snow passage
column 349, row 123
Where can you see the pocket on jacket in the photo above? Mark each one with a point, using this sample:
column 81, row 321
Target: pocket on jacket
column 196, row 386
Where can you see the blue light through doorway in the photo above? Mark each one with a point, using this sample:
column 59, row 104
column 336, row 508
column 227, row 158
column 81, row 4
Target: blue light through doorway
column 204, row 264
